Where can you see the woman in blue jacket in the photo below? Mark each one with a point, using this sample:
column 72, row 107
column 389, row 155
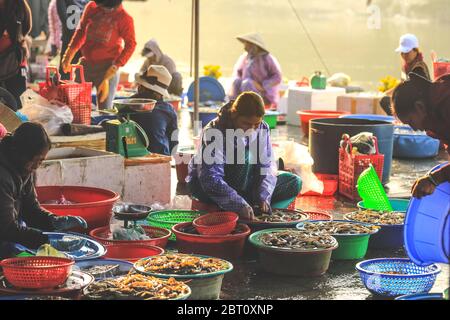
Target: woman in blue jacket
column 235, row 168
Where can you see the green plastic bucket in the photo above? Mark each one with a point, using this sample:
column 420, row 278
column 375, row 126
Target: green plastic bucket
column 351, row 247
column 271, row 118
column 168, row 218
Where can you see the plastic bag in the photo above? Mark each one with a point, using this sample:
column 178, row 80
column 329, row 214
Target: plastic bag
column 297, row 157
column 339, row 80
column 363, row 142
column 132, row 233
column 181, row 202
column 51, row 114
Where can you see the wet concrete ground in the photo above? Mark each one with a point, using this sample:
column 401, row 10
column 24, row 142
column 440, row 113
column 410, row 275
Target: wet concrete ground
column 341, row 282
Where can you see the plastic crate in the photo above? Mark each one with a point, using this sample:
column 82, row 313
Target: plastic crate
column 351, row 166
column 440, row 69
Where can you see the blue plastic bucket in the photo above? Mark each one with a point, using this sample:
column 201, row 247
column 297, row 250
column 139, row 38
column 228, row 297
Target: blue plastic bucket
column 374, row 117
column 388, row 237
column 210, row 90
column 414, row 146
column 422, row 296
column 399, row 205
column 427, row 227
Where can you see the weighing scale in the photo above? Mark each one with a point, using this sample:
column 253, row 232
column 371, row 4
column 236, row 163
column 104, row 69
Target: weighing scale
column 131, row 212
column 124, row 136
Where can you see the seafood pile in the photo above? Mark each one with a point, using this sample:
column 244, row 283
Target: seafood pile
column 335, row 227
column 181, row 264
column 278, row 216
column 60, row 201
column 102, row 270
column 296, row 239
column 137, row 286
column 377, row 217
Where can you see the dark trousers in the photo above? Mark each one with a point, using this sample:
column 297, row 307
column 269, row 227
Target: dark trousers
column 16, row 85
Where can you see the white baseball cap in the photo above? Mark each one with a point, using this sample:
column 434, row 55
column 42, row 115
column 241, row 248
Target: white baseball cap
column 407, row 43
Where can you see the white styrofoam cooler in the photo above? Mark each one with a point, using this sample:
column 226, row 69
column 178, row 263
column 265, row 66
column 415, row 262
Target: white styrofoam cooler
column 143, row 184
column 306, row 98
column 76, row 166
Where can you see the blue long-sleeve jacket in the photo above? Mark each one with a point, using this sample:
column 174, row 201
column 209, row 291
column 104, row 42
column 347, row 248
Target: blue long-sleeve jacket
column 161, row 127
column 213, row 176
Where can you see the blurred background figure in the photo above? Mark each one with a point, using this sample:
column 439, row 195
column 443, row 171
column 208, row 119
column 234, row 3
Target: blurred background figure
column 257, row 70
column 55, row 29
column 39, row 9
column 69, row 13
column 154, row 56
column 15, row 24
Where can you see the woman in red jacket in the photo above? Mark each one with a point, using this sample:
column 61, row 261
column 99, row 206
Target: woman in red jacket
column 15, row 24
column 106, row 38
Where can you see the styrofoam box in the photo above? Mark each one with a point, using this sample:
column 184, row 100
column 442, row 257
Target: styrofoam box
column 306, row 98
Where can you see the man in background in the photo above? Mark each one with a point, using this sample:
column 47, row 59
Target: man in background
column 69, row 12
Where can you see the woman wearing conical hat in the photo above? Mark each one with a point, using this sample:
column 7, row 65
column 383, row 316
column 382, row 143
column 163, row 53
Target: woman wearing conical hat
column 257, row 70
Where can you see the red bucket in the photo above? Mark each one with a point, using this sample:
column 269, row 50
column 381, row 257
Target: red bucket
column 92, row 204
column 228, row 247
column 307, row 115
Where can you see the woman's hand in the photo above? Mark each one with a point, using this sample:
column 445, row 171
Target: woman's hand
column 423, row 187
column 246, row 213
column 265, row 208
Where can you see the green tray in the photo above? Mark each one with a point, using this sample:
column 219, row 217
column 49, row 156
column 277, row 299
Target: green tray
column 372, row 192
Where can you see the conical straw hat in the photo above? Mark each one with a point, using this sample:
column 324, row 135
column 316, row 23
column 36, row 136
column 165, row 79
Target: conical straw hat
column 254, row 38
column 9, row 118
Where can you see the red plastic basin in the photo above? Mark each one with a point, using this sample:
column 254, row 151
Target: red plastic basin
column 159, row 237
column 131, row 252
column 228, row 247
column 92, row 204
column 307, row 115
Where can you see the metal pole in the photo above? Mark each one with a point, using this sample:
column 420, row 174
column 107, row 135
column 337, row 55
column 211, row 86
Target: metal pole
column 196, row 63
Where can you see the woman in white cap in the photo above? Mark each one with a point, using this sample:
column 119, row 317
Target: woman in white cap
column 257, row 70
column 412, row 57
column 161, row 123
column 412, row 60
column 154, row 56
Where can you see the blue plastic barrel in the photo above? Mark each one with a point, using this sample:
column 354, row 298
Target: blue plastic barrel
column 427, row 227
column 326, row 134
column 373, row 117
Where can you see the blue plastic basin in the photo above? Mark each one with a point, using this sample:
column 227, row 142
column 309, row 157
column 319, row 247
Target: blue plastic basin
column 414, row 146
column 427, row 227
column 374, row 117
